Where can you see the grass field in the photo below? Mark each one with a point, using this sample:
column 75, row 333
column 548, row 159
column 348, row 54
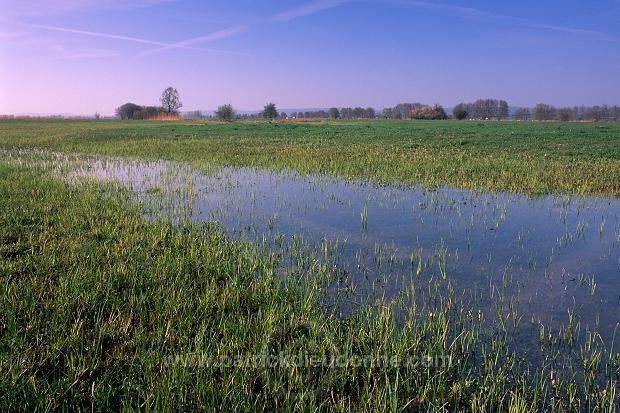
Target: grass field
column 103, row 310
column 529, row 157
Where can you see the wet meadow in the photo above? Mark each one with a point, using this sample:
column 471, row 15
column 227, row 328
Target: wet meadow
column 336, row 266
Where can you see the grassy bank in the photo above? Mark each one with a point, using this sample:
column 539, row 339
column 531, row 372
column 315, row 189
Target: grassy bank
column 528, row 157
column 103, row 310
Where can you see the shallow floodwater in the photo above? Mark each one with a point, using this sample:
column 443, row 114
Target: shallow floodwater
column 551, row 255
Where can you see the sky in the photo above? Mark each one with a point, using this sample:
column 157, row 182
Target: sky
column 85, row 56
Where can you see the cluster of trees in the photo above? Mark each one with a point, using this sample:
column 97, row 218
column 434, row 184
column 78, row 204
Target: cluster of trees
column 337, row 113
column 498, row 109
column 132, row 111
column 434, row 112
column 322, row 114
column 482, row 109
column 228, row 113
column 352, row 113
column 194, row 114
column 543, row 111
column 270, row 111
column 415, row 111
column 357, row 113
column 485, row 109
column 400, row 111
column 170, row 105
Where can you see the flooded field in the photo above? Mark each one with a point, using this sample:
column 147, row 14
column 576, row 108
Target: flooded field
column 549, row 260
column 500, row 291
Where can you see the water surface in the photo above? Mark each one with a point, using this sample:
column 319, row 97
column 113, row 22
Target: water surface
column 554, row 254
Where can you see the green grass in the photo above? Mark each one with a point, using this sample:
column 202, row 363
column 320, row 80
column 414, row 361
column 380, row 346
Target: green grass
column 531, row 158
column 102, row 310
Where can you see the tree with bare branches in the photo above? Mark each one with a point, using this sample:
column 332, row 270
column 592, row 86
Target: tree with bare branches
column 170, row 100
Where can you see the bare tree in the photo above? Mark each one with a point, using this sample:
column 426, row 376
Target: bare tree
column 225, row 112
column 387, row 113
column 270, row 111
column 170, row 100
column 542, row 111
column 565, row 115
column 460, row 112
column 194, row 114
column 334, row 113
column 522, row 114
column 503, row 111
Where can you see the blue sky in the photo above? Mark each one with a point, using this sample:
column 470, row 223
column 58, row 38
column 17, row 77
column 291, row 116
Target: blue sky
column 82, row 56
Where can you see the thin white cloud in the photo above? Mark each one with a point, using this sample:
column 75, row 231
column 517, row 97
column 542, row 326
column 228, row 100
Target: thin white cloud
column 577, row 32
column 480, row 14
column 469, row 12
column 40, row 44
column 112, row 36
column 96, row 34
column 83, row 53
column 466, row 11
column 219, row 35
column 462, row 11
column 308, row 9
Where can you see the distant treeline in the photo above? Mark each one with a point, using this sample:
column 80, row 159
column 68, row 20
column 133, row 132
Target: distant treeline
column 481, row 109
column 494, row 109
column 544, row 111
column 335, row 113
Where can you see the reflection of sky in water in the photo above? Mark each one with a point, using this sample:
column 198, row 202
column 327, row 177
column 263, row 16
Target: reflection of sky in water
column 549, row 248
